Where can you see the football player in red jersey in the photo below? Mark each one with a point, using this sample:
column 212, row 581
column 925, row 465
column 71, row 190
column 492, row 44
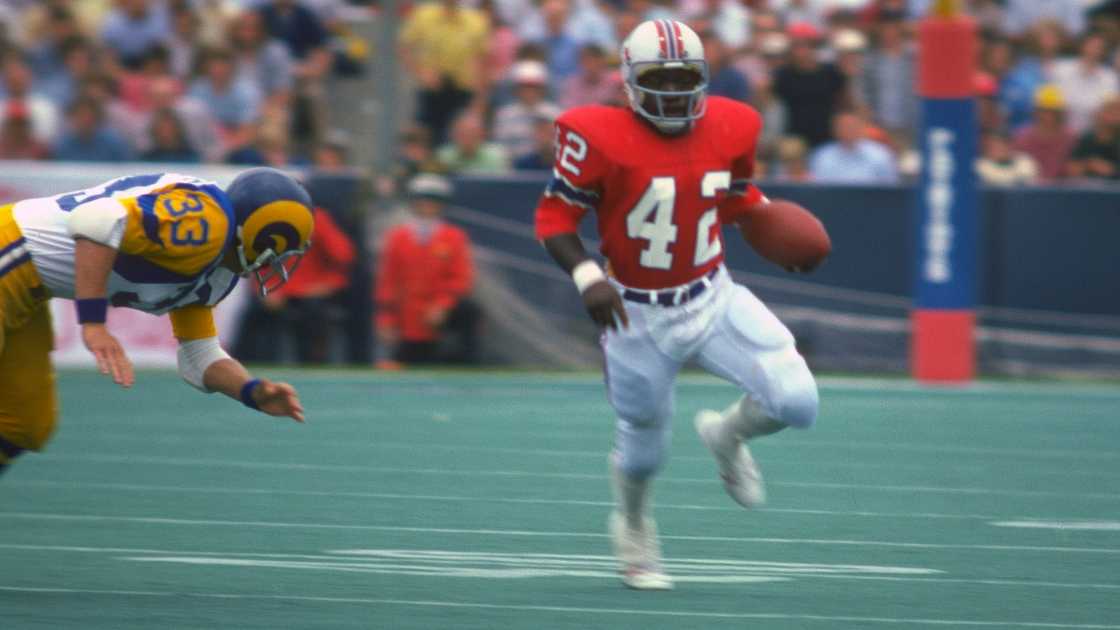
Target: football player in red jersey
column 662, row 177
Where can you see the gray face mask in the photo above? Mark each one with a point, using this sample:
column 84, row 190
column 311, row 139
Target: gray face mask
column 697, row 102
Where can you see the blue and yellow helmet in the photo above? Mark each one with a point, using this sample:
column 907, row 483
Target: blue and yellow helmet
column 274, row 225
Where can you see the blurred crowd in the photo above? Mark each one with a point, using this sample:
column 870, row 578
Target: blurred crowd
column 235, row 81
column 834, row 80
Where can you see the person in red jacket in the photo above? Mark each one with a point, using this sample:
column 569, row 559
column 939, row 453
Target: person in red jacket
column 304, row 309
column 423, row 278
column 310, row 300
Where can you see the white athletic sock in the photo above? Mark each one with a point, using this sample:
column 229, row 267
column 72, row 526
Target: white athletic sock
column 631, row 496
column 744, row 420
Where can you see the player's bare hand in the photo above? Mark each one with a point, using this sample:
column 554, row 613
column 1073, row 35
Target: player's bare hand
column 278, row 399
column 109, row 354
column 605, row 306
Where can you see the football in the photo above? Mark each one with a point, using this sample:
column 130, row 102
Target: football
column 787, row 234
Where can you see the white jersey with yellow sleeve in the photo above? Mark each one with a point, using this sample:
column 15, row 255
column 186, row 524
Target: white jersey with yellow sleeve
column 171, row 232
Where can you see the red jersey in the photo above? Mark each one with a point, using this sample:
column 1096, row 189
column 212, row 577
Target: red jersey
column 660, row 200
column 417, row 275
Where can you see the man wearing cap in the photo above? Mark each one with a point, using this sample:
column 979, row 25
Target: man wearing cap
column 812, row 91
column 1048, row 139
column 424, row 273
column 513, row 123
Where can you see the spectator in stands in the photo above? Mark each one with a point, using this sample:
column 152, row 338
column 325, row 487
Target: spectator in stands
column 443, row 44
column 504, row 42
column 333, row 153
column 185, row 43
column 308, row 42
column 310, row 304
column 133, row 27
column 87, row 138
column 990, row 112
column 1001, row 165
column 728, row 20
column 79, row 59
column 1018, row 87
column 414, row 156
column 852, row 158
column 1048, row 140
column 724, row 79
column 17, row 140
column 424, row 276
column 199, row 127
column 262, row 60
column 134, row 88
column 597, row 82
column 272, row 147
column 890, row 75
column 45, row 51
column 1097, row 154
column 235, row 104
column 1020, row 15
column 17, row 88
column 469, row 152
column 544, row 134
column 773, row 48
column 561, row 47
column 1086, row 82
column 812, row 91
column 514, row 123
column 810, row 12
column 168, row 139
column 793, row 165
column 850, row 46
column 302, row 31
column 583, row 21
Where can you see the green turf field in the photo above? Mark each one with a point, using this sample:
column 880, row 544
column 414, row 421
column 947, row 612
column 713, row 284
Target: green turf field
column 480, row 501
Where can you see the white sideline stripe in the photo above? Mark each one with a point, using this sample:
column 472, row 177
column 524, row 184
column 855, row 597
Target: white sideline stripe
column 164, row 437
column 454, row 472
column 1067, row 525
column 357, row 556
column 431, row 497
column 568, row 609
column 541, row 534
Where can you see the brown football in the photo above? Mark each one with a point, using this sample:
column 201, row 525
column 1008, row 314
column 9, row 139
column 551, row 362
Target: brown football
column 788, row 235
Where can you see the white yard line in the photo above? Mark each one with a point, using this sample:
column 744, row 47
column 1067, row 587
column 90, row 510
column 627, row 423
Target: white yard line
column 685, row 567
column 372, row 443
column 132, row 487
column 648, row 612
column 455, row 472
column 42, row 516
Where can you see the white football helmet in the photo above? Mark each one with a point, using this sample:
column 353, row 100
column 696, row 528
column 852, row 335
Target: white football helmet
column 665, row 45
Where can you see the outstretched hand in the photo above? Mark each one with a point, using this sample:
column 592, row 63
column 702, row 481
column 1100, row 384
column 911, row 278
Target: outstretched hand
column 605, row 306
column 110, row 356
column 278, row 399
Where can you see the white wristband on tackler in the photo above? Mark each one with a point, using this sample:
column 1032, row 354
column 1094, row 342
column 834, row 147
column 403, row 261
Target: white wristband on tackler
column 586, row 274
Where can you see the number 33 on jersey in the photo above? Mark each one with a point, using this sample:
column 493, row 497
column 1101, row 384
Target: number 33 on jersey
column 660, row 200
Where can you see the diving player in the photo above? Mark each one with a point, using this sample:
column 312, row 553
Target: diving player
column 662, row 177
column 160, row 243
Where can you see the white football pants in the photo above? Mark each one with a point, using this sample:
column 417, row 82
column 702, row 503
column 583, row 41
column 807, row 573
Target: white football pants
column 731, row 334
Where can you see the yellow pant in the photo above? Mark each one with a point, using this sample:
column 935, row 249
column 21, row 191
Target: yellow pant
column 28, row 404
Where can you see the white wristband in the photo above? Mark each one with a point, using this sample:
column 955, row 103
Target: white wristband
column 586, row 274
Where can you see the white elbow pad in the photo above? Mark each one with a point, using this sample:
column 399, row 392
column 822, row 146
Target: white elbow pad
column 100, row 220
column 197, row 355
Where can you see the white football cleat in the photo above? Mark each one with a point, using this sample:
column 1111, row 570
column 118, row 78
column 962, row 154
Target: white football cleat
column 741, row 477
column 639, row 554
